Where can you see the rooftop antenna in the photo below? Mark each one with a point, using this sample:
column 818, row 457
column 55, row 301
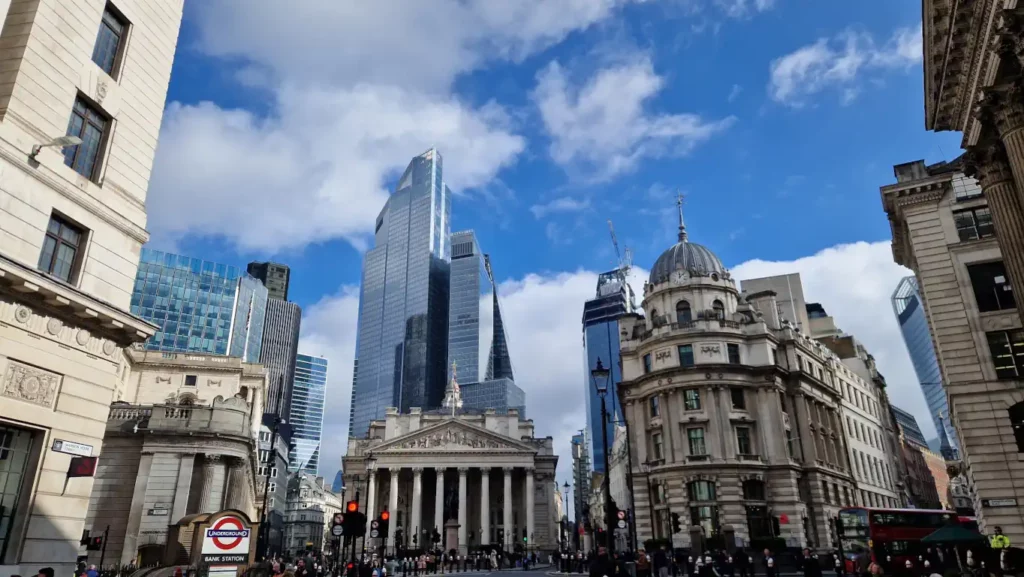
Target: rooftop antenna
column 682, row 224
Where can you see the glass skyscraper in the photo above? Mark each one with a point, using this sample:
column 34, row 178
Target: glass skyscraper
column 280, row 345
column 498, row 394
column 403, row 311
column 307, row 413
column 906, row 303
column 908, row 424
column 200, row 306
column 476, row 331
column 601, row 341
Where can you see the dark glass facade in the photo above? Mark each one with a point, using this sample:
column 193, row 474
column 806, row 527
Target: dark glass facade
column 280, row 345
column 906, row 303
column 307, row 413
column 200, row 306
column 909, row 427
column 275, row 276
column 402, row 342
column 499, row 394
column 601, row 316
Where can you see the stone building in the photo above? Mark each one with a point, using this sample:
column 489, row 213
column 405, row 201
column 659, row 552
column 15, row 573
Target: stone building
column 944, row 228
column 876, row 465
column 272, row 480
column 308, row 516
column 734, row 415
column 72, row 221
column 479, row 479
column 180, row 440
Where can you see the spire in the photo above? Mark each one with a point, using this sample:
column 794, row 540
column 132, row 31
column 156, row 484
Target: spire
column 452, row 394
column 682, row 225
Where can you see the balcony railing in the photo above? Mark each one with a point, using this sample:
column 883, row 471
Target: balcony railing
column 229, row 417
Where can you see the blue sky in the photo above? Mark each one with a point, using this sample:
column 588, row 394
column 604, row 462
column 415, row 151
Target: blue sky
column 779, row 119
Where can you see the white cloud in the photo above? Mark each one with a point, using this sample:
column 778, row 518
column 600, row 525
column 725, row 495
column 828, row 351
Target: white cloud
column 562, row 204
column 734, row 92
column 327, row 153
column 854, row 283
column 329, row 330
column 839, row 63
column 355, row 90
column 744, row 8
column 603, row 129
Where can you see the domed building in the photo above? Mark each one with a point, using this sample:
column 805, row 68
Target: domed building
column 733, row 419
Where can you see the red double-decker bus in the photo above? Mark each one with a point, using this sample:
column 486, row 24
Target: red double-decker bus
column 889, row 535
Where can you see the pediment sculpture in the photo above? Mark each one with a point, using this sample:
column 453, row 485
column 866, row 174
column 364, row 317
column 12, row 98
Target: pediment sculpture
column 451, row 438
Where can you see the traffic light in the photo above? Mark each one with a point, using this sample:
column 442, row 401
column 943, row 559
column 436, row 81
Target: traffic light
column 384, row 523
column 501, row 536
column 398, row 535
column 435, row 536
column 95, row 544
column 354, row 522
column 613, row 511
column 677, row 526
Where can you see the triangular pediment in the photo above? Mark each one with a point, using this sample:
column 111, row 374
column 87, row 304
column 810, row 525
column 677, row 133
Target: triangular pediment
column 454, row 436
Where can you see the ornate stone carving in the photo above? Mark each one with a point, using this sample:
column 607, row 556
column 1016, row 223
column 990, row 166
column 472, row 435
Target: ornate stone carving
column 213, row 382
column 29, row 384
column 82, row 337
column 109, row 347
column 101, row 90
column 22, row 314
column 1002, row 108
column 163, row 380
column 451, row 436
column 711, row 349
column 988, row 163
column 53, row 326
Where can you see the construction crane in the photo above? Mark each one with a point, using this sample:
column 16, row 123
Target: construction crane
column 625, row 258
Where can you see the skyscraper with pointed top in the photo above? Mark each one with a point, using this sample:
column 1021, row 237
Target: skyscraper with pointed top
column 402, row 345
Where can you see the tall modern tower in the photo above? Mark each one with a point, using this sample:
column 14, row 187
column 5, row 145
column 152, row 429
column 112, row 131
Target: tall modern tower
column 403, row 311
column 280, row 347
column 275, row 277
column 307, row 413
column 906, row 303
column 477, row 344
column 200, row 306
column 581, row 475
column 601, row 341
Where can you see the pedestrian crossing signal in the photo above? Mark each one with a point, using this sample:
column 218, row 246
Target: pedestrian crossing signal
column 677, row 526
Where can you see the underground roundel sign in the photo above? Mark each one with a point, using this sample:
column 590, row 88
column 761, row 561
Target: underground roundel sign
column 227, row 541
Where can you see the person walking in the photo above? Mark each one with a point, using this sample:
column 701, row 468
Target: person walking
column 769, row 564
column 809, row 564
column 660, row 562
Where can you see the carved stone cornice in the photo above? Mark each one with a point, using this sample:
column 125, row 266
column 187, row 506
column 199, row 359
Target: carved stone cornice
column 988, row 163
column 1002, row 108
column 1009, row 36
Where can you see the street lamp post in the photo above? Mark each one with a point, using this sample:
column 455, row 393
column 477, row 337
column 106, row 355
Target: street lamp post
column 646, row 468
column 565, row 524
column 599, row 376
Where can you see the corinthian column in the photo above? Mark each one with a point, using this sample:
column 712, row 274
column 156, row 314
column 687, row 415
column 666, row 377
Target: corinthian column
column 507, row 512
column 209, row 502
column 371, row 497
column 529, row 507
column 988, row 162
column 439, row 502
column 393, row 502
column 485, row 506
column 236, row 486
column 417, row 499
column 463, row 505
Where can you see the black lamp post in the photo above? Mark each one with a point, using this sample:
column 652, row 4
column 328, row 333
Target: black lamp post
column 646, row 468
column 599, row 375
column 565, row 523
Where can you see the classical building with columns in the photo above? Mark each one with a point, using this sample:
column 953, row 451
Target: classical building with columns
column 180, row 440
column 480, row 479
column 944, row 227
column 734, row 414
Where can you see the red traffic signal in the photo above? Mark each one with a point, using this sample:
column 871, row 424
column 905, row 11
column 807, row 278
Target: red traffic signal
column 384, row 516
column 82, row 467
column 351, row 507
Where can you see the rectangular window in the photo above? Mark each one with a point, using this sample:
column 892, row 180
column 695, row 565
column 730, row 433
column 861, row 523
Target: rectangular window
column 658, row 447
column 61, row 245
column 974, row 223
column 991, row 286
column 965, row 188
column 110, row 41
column 272, row 487
column 686, row 355
column 89, row 124
column 1007, row 348
column 647, row 363
column 734, row 353
column 743, row 444
column 655, row 407
column 190, row 380
column 691, row 399
column 739, row 400
column 696, row 441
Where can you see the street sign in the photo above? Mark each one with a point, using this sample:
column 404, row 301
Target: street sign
column 374, row 525
column 622, row 515
column 1007, row 502
column 374, row 533
column 621, row 524
column 71, row 448
column 337, row 530
column 339, row 519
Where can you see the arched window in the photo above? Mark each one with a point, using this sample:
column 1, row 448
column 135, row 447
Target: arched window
column 753, row 490
column 187, row 400
column 683, row 314
column 719, row 309
column 1017, row 422
column 654, row 318
column 701, row 490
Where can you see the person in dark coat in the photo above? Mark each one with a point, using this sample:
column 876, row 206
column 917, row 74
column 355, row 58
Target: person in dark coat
column 602, row 565
column 770, row 567
column 742, row 562
column 810, row 565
